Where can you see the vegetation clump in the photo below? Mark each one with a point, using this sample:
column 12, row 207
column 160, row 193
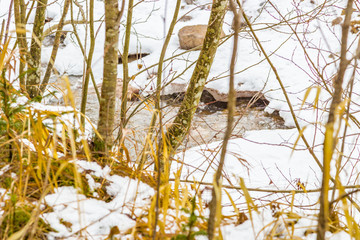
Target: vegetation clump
column 17, row 217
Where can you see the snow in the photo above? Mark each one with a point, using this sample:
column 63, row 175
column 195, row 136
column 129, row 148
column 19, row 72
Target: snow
column 93, row 218
column 262, row 150
column 265, row 159
column 280, row 43
column 82, row 213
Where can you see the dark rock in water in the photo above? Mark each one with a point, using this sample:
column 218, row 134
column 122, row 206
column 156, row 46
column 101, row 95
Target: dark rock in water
column 209, row 104
column 218, row 102
column 175, row 98
column 206, row 97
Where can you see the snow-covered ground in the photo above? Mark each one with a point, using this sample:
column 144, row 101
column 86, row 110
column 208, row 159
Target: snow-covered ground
column 303, row 44
column 307, row 22
column 92, row 218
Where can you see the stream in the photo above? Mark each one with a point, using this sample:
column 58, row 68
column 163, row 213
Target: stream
column 208, row 125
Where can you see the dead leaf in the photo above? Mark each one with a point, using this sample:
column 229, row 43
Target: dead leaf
column 354, row 30
column 241, row 218
column 309, row 231
column 68, row 225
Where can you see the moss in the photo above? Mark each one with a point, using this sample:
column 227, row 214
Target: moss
column 7, row 182
column 67, row 177
column 16, row 218
column 33, row 183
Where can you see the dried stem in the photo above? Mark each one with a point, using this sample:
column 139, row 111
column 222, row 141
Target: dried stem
column 330, row 140
column 215, row 204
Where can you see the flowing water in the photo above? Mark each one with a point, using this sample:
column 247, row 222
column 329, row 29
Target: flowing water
column 208, row 125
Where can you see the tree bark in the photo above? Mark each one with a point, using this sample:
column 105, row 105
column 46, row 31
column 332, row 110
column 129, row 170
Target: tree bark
column 180, row 127
column 108, row 89
column 34, row 59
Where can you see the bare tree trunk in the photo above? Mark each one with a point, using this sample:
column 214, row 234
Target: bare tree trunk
column 330, row 140
column 182, row 122
column 215, row 204
column 34, row 59
column 108, row 89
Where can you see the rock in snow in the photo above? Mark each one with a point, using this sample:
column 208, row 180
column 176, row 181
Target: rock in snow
column 193, row 36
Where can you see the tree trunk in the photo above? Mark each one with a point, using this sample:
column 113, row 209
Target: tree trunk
column 182, row 122
column 108, row 89
column 34, row 60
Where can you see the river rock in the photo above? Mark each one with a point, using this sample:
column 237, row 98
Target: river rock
column 193, row 36
column 212, row 94
column 224, row 97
